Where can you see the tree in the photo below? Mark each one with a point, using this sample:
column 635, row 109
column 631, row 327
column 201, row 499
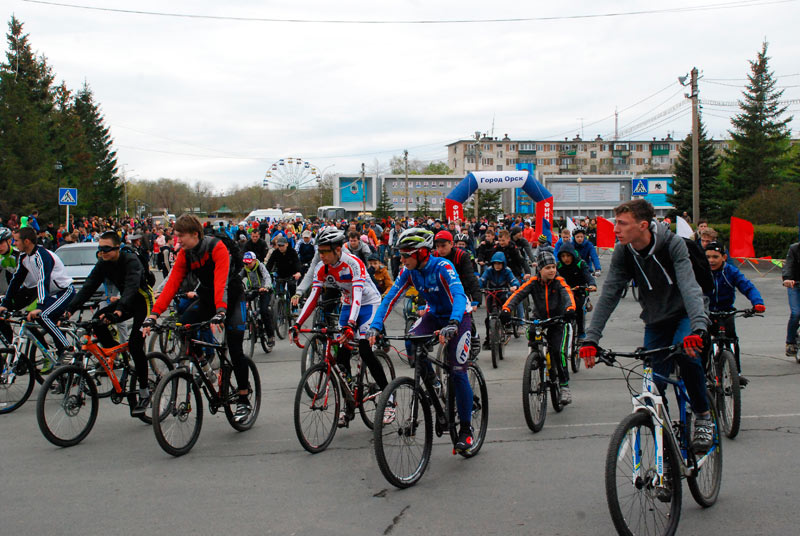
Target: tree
column 437, row 168
column 383, row 209
column 398, row 166
column 759, row 155
column 490, row 204
column 423, row 209
column 712, row 195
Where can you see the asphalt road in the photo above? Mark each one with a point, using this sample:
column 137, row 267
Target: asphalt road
column 118, row 480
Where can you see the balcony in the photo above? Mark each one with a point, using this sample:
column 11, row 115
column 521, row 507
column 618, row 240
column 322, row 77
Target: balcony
column 569, row 167
column 523, row 152
column 622, row 167
column 621, row 153
column 659, row 150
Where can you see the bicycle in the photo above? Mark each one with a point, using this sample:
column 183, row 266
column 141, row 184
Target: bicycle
column 318, row 399
column 722, row 374
column 282, row 312
column 402, row 455
column 255, row 328
column 575, row 344
column 61, row 407
column 540, row 376
column 178, row 399
column 498, row 334
column 314, row 350
column 649, row 453
column 412, row 310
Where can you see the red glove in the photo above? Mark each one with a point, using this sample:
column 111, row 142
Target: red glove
column 347, row 334
column 588, row 352
column 760, row 308
column 692, row 344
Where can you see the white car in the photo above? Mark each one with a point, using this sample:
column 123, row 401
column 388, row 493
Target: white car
column 79, row 260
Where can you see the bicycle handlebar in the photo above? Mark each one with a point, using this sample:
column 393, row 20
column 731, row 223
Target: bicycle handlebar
column 609, row 356
column 542, row 323
column 746, row 313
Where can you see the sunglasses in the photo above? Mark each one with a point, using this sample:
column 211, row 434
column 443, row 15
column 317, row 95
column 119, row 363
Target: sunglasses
column 407, row 254
column 107, row 249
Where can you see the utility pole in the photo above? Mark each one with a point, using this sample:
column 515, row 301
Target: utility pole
column 477, row 167
column 616, row 124
column 695, row 150
column 405, row 159
column 363, row 192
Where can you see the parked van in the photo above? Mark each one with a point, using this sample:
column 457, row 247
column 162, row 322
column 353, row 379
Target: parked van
column 271, row 213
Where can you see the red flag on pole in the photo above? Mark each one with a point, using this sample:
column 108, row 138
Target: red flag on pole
column 605, row 233
column 741, row 238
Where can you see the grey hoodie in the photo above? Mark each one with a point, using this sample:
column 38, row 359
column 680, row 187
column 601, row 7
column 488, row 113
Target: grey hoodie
column 661, row 298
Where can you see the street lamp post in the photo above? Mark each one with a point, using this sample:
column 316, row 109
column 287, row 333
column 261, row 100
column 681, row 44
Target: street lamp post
column 58, row 167
column 579, row 181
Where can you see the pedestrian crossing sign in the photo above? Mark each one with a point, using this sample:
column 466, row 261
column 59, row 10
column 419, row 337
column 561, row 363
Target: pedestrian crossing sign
column 68, row 196
column 639, row 186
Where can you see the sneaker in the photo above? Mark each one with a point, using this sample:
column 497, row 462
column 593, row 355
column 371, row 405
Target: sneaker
column 743, row 381
column 464, row 442
column 389, row 414
column 703, row 435
column 141, row 406
column 566, row 397
column 271, row 343
column 791, row 350
column 486, row 344
column 243, row 409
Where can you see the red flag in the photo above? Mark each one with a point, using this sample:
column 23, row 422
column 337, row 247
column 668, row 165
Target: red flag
column 741, row 238
column 605, row 233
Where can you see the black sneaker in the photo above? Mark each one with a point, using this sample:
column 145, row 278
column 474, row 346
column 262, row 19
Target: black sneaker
column 703, row 435
column 141, row 406
column 271, row 343
column 465, row 440
column 243, row 410
column 743, row 381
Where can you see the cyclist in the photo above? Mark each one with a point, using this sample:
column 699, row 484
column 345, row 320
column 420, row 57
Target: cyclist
column 586, row 249
column 256, row 245
column 728, row 278
column 576, row 273
column 437, row 281
column 40, row 276
column 551, row 297
column 123, row 268
column 9, row 261
column 219, row 295
column 671, row 300
column 790, row 274
column 285, row 262
column 543, row 244
column 360, row 298
column 256, row 276
column 306, row 249
column 357, row 247
column 513, row 257
column 523, row 245
column 498, row 276
column 462, row 262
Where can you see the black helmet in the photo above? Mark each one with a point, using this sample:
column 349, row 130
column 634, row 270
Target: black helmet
column 578, row 230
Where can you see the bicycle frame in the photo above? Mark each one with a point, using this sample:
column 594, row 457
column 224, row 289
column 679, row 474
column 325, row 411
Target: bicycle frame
column 213, row 392
column 105, row 356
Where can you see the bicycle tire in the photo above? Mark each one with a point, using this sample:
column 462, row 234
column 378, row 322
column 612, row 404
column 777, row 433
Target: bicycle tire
column 636, row 432
column 729, row 394
column 315, row 432
column 403, row 432
column 158, row 365
column 480, row 410
column 574, row 358
column 515, row 329
column 281, row 318
column 16, row 381
column 706, row 483
column 366, row 385
column 555, row 390
column 173, row 408
column 52, row 406
column 262, row 336
column 313, row 353
column 534, row 392
column 229, row 393
column 635, row 292
column 410, row 323
column 250, row 336
column 496, row 343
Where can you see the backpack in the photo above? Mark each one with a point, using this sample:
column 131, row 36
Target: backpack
column 700, row 266
column 149, row 277
column 237, row 256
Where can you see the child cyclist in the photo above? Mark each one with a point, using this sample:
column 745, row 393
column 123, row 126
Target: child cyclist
column 256, row 277
column 437, row 281
column 728, row 278
column 576, row 273
column 499, row 276
column 551, row 297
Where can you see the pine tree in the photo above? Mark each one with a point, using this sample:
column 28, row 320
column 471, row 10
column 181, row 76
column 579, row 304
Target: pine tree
column 424, row 209
column 384, row 207
column 711, row 192
column 102, row 191
column 759, row 155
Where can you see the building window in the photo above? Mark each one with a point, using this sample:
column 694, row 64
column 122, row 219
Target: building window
column 593, row 154
column 499, row 154
column 499, row 167
column 552, row 161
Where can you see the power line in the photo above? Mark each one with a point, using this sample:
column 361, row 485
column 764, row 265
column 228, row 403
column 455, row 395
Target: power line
column 703, row 7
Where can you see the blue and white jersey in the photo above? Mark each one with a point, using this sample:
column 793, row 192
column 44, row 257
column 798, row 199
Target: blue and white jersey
column 437, row 282
column 42, row 270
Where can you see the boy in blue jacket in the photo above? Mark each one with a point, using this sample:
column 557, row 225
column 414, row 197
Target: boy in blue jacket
column 499, row 276
column 586, row 250
column 728, row 278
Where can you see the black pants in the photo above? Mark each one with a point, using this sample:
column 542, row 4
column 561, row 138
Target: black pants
column 264, row 299
column 580, row 299
column 201, row 310
column 141, row 308
column 557, row 342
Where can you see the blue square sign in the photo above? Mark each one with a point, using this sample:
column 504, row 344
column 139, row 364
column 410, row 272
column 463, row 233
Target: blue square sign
column 639, row 187
column 68, row 196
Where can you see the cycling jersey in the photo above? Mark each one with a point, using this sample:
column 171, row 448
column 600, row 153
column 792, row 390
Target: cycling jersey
column 438, row 283
column 9, row 263
column 350, row 276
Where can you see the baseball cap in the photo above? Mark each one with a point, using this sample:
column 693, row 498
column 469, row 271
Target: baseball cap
column 249, row 257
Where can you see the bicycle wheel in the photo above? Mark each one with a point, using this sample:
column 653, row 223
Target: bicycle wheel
column 177, row 412
column 480, row 410
column 705, row 484
column 370, row 390
column 250, row 336
column 638, row 505
column 16, row 380
column 410, row 321
column 574, row 358
column 496, row 343
column 534, row 392
column 555, row 390
column 313, row 353
column 281, row 318
column 729, row 394
column 262, row 336
column 158, row 365
column 403, row 446
column 230, row 396
column 317, row 404
column 168, row 341
column 61, row 407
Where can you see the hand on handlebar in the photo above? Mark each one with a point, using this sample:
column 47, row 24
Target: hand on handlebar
column 693, row 344
column 148, row 324
column 588, row 352
column 347, row 334
column 372, row 335
column 295, row 300
column 760, row 308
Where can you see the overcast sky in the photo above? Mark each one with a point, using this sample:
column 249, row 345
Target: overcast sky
column 221, row 100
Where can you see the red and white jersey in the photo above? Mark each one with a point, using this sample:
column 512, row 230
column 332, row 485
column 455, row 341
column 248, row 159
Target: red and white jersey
column 351, row 277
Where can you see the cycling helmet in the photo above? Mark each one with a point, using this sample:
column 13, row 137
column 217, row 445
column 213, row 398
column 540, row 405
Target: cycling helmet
column 415, row 238
column 5, row 234
column 461, row 237
column 578, row 230
column 330, row 235
column 542, row 239
column 443, row 235
column 249, row 257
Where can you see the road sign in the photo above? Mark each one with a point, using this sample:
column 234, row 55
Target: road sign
column 639, row 187
column 68, row 196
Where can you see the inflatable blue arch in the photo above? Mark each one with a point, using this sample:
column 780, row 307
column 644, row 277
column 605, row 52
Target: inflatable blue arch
column 500, row 180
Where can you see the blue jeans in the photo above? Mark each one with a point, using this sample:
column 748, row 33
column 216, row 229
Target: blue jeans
column 794, row 315
column 669, row 333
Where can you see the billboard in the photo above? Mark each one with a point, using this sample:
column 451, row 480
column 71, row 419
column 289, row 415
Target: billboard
column 352, row 189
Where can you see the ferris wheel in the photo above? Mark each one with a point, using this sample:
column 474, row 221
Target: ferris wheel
column 291, row 174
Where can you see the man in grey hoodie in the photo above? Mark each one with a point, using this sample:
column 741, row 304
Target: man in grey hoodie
column 672, row 303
